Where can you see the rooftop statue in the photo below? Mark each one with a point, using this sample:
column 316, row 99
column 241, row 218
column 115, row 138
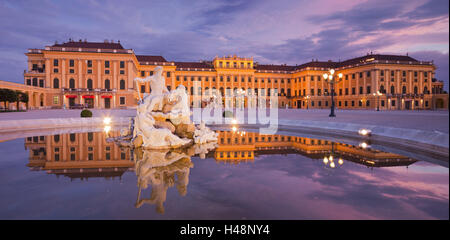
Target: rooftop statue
column 163, row 119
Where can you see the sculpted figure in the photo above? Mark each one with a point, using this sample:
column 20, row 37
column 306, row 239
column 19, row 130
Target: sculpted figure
column 181, row 98
column 152, row 137
column 155, row 100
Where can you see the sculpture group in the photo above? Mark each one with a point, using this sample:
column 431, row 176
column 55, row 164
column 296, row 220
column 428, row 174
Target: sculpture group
column 163, row 118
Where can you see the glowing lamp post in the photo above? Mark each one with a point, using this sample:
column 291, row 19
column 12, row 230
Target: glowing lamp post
column 330, row 79
column 378, row 94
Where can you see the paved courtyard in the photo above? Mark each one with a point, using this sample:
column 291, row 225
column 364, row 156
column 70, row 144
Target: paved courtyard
column 419, row 120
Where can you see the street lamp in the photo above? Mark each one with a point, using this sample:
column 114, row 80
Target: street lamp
column 378, row 94
column 307, row 98
column 330, row 79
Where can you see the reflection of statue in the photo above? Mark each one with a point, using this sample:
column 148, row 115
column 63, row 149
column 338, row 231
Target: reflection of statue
column 163, row 119
column 162, row 169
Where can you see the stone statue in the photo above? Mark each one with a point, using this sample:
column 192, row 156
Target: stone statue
column 163, row 119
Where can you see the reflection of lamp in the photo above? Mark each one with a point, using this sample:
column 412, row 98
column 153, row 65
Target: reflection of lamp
column 107, row 120
column 329, row 160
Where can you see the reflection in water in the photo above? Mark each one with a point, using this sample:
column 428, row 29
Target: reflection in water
column 90, row 155
column 163, row 169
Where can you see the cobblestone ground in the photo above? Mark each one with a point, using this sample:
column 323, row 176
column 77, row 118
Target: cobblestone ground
column 421, row 120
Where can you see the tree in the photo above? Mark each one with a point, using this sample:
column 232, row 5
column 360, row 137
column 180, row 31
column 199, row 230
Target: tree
column 24, row 98
column 7, row 95
column 3, row 97
column 11, row 96
column 21, row 97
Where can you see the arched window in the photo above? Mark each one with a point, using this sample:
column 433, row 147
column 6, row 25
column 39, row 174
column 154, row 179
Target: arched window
column 122, row 84
column 382, row 89
column 404, row 89
column 425, row 90
column 221, row 91
column 89, row 84
column 192, row 90
column 55, row 83
column 416, row 90
column 72, row 83
column 392, row 89
column 107, row 84
column 56, row 138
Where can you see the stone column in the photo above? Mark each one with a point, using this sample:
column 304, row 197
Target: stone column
column 80, row 75
column 47, row 69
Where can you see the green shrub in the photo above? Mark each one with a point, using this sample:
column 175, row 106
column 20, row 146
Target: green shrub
column 86, row 113
column 227, row 114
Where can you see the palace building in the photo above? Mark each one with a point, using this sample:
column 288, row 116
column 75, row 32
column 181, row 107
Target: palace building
column 101, row 75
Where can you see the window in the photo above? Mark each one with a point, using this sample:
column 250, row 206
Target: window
column 416, row 90
column 404, row 73
column 122, row 100
column 393, row 103
column 151, row 73
column 142, row 73
column 90, row 137
column 55, row 83
column 382, row 73
column 29, row 81
column 72, row 137
column 122, row 72
column 107, row 84
column 360, row 75
column 55, row 70
column 71, row 70
column 142, row 88
column 168, row 74
column 89, row 84
column 106, row 64
column 368, row 89
column 55, row 100
column 72, row 83
column 368, row 74
column 346, row 91
column 392, row 89
column 404, row 90
column 368, row 103
column 353, row 76
column 89, row 63
column 353, row 91
column 106, row 71
column 122, row 64
column 55, row 62
column 89, row 71
column 71, row 63
column 122, row 84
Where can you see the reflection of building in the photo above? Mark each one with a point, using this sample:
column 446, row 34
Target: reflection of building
column 100, row 75
column 235, row 147
column 78, row 155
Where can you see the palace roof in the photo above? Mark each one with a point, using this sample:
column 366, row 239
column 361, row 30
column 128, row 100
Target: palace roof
column 379, row 57
column 192, row 65
column 270, row 67
column 98, row 45
column 147, row 58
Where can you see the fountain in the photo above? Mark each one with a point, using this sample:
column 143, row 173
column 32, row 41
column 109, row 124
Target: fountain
column 163, row 119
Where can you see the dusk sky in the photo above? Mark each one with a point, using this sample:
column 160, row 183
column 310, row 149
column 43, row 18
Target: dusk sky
column 273, row 32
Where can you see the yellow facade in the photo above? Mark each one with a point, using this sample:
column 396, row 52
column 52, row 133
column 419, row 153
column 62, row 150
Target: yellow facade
column 102, row 77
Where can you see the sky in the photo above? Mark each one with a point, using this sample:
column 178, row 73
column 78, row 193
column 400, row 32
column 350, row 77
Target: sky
column 273, row 32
